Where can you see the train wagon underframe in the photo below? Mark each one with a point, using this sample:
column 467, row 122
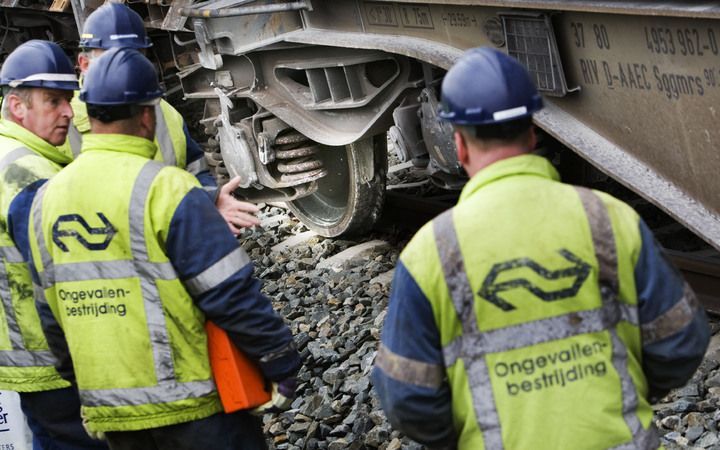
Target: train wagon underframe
column 298, row 95
column 632, row 87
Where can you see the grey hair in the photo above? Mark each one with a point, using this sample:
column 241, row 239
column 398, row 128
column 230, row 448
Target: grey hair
column 22, row 92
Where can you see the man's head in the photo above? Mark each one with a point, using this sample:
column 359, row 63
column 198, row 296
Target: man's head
column 111, row 25
column 121, row 90
column 489, row 98
column 38, row 81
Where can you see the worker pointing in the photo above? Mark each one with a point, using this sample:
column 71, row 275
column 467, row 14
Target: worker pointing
column 116, row 25
column 38, row 81
column 132, row 261
column 533, row 314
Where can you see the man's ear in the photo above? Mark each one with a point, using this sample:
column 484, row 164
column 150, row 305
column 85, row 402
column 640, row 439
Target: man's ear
column 83, row 62
column 533, row 138
column 147, row 121
column 461, row 148
column 17, row 108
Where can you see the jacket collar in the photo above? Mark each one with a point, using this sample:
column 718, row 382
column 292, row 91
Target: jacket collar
column 80, row 119
column 119, row 143
column 10, row 129
column 531, row 165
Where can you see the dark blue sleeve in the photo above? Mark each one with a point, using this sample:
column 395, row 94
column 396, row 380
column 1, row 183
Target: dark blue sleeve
column 669, row 362
column 423, row 413
column 52, row 330
column 18, row 221
column 56, row 341
column 19, row 215
column 197, row 239
column 194, row 153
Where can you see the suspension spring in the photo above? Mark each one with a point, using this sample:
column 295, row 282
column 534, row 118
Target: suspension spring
column 215, row 161
column 296, row 160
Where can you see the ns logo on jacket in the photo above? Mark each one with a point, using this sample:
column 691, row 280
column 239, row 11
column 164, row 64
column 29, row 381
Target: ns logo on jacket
column 491, row 288
column 92, row 238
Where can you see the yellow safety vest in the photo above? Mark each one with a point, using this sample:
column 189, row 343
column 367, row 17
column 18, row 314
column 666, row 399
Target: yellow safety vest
column 136, row 338
column 26, row 364
column 532, row 289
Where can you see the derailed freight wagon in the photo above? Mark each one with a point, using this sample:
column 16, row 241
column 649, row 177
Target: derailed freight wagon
column 299, row 95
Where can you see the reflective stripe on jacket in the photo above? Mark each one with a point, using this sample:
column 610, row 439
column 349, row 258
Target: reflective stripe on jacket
column 539, row 339
column 26, row 364
column 136, row 337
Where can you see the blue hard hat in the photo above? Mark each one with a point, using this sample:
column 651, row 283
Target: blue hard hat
column 114, row 25
column 486, row 87
column 120, row 76
column 39, row 64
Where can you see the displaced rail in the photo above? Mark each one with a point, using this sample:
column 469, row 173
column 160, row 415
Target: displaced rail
column 703, row 274
column 409, row 212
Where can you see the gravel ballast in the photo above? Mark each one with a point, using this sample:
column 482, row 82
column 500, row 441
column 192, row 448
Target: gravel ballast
column 336, row 310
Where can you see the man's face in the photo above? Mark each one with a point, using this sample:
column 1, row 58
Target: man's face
column 48, row 115
column 87, row 57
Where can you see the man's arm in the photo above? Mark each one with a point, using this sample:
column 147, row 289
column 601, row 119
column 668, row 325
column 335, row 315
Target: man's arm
column 19, row 217
column 54, row 333
column 237, row 214
column 674, row 326
column 18, row 226
column 218, row 274
column 196, row 164
column 409, row 374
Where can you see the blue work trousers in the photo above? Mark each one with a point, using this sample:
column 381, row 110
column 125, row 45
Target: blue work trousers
column 235, row 431
column 54, row 419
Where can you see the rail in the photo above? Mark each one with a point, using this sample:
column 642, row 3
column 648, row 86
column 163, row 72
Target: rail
column 703, row 274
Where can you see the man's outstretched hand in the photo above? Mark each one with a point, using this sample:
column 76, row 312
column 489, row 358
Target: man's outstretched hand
column 237, row 214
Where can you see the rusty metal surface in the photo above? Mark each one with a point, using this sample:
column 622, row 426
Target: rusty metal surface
column 173, row 20
column 655, row 8
column 648, row 73
column 423, row 28
column 238, row 35
column 621, row 164
column 326, row 127
column 435, row 53
column 654, row 99
column 245, row 10
column 649, row 86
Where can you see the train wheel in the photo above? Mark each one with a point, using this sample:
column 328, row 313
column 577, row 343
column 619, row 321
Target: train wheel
column 349, row 198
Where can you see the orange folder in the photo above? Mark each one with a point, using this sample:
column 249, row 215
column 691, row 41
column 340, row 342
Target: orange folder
column 238, row 379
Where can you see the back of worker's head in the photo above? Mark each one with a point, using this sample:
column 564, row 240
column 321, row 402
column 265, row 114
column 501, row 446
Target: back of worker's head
column 114, row 25
column 37, row 81
column 489, row 96
column 121, row 89
column 111, row 25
